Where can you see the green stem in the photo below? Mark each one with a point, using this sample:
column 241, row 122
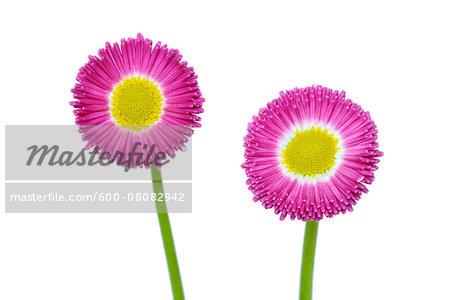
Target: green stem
column 309, row 250
column 167, row 237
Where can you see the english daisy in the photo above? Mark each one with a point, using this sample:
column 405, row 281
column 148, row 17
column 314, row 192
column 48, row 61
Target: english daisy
column 143, row 94
column 310, row 153
column 139, row 97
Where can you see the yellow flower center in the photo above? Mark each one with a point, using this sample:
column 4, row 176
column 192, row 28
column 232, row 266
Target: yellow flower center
column 310, row 152
column 136, row 103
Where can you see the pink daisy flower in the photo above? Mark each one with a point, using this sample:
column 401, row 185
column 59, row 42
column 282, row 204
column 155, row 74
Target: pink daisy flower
column 143, row 94
column 310, row 153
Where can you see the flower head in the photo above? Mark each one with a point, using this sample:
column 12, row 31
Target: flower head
column 309, row 153
column 137, row 94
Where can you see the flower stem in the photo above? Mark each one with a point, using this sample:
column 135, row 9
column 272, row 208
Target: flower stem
column 309, row 250
column 167, row 237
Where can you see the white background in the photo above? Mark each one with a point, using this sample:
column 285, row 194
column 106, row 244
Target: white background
column 392, row 57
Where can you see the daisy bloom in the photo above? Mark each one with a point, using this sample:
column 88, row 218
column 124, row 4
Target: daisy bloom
column 310, row 153
column 138, row 97
column 142, row 93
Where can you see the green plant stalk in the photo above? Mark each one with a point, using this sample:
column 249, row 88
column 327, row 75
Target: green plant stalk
column 167, row 237
column 309, row 251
